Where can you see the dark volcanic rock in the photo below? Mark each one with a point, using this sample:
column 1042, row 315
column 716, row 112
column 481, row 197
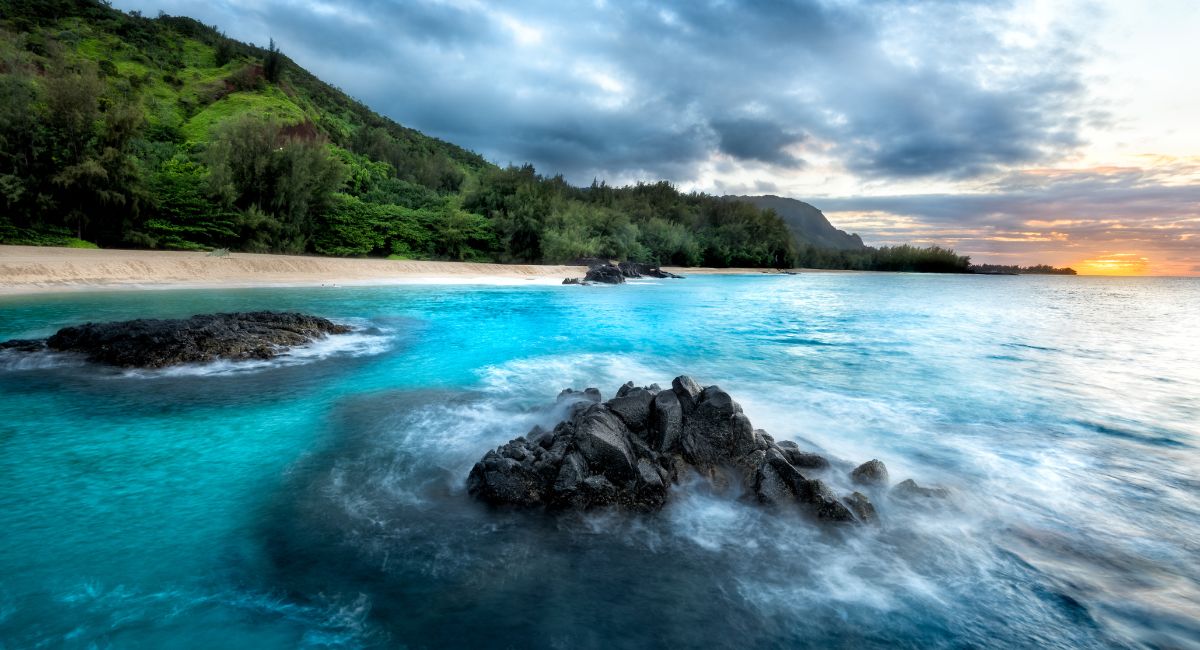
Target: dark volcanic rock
column 687, row 391
column 862, row 508
column 24, row 345
column 799, row 458
column 629, row 451
column 151, row 343
column 606, row 273
column 821, row 499
column 604, row 442
column 633, row 407
column 873, row 472
column 667, row 424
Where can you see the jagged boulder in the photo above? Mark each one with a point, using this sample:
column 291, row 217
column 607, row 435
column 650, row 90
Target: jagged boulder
column 801, row 458
column 633, row 407
column 628, row 452
column 158, row 343
column 861, row 506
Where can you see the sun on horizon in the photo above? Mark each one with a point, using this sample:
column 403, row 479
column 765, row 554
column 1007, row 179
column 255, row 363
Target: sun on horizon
column 1115, row 264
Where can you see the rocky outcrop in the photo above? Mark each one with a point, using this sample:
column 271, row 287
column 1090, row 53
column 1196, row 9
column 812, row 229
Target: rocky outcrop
column 154, row 343
column 631, row 450
column 605, row 273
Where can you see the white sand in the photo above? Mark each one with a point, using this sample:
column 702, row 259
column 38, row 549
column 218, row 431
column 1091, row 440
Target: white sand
column 40, row 269
column 37, row 269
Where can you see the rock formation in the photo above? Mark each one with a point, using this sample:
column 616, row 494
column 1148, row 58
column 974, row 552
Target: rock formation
column 630, row 451
column 154, row 343
column 608, row 273
column 640, row 270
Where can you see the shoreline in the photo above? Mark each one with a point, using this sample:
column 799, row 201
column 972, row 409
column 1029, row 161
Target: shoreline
column 28, row 270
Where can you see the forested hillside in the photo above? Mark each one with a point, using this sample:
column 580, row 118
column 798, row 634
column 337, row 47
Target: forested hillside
column 120, row 130
column 808, row 224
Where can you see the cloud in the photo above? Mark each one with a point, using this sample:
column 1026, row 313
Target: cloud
column 761, row 140
column 629, row 90
column 1061, row 215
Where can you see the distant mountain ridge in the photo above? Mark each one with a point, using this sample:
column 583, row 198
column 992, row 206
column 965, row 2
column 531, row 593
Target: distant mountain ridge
column 808, row 225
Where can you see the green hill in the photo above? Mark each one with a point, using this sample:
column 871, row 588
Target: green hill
column 122, row 130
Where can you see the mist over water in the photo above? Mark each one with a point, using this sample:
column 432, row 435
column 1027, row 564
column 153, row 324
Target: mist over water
column 319, row 501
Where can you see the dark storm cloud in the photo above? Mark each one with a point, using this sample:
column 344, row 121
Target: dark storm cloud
column 626, row 90
column 761, row 140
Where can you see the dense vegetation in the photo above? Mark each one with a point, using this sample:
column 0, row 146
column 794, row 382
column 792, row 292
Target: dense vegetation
column 121, row 130
column 933, row 259
column 1036, row 269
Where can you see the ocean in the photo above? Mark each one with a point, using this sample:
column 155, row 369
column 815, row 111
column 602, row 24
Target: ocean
column 319, row 501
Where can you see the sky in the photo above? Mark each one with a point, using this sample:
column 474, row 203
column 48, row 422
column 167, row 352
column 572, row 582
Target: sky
column 1014, row 131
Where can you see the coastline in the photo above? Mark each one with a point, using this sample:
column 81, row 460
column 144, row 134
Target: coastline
column 46, row 269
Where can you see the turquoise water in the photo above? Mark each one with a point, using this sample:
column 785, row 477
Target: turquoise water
column 319, row 502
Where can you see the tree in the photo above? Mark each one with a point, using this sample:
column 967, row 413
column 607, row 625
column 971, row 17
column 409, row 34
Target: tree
column 185, row 217
column 224, row 51
column 93, row 171
column 290, row 180
column 272, row 63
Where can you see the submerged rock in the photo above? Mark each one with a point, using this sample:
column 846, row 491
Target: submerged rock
column 628, row 452
column 158, row 343
column 862, row 508
column 24, row 345
column 908, row 489
column 589, row 394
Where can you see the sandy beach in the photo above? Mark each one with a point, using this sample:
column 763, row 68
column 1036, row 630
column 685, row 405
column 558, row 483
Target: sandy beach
column 39, row 269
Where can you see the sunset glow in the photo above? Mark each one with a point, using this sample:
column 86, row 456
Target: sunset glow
column 1115, row 264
